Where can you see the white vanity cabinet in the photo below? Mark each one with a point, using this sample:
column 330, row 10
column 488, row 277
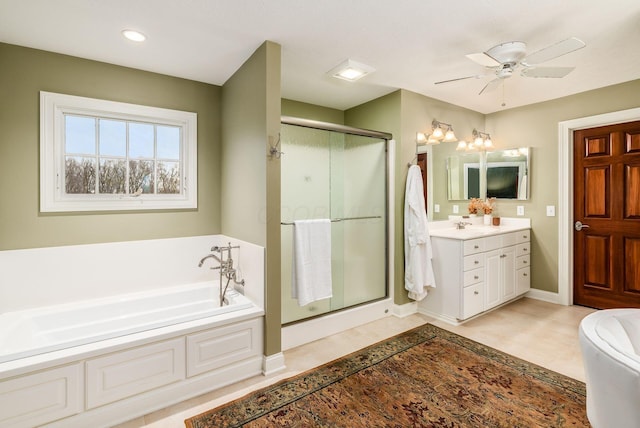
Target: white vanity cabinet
column 474, row 275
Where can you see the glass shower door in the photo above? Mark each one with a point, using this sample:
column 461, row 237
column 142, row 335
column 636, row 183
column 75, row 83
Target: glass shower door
column 327, row 174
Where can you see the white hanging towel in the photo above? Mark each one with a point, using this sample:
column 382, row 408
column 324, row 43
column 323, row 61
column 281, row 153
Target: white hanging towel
column 311, row 267
column 418, row 271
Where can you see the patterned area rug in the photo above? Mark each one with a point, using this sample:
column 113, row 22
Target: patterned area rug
column 426, row 377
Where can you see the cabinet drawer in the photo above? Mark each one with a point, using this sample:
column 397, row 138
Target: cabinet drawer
column 473, row 246
column 123, row 374
column 473, row 276
column 36, row 399
column 523, row 261
column 509, row 239
column 523, row 249
column 492, row 242
column 217, row 348
column 473, row 261
column 472, row 301
column 523, row 280
column 523, row 236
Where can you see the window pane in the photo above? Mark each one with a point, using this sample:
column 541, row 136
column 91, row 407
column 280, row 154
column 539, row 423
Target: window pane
column 80, row 175
column 141, row 176
column 168, row 142
column 140, row 140
column 80, row 135
column 112, row 176
column 168, row 177
column 113, row 137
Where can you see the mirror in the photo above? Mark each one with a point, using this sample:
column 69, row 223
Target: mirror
column 502, row 174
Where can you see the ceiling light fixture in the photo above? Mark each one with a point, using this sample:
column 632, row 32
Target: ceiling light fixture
column 134, row 35
column 350, row 70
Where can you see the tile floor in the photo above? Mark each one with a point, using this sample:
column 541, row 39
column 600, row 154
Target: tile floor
column 542, row 333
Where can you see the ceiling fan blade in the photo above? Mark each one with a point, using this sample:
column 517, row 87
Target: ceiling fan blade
column 491, row 85
column 546, row 71
column 483, row 59
column 477, row 76
column 554, row 51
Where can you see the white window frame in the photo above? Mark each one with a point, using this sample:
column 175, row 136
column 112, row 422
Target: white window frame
column 54, row 107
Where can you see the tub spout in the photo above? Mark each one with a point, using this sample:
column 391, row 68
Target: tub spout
column 210, row 256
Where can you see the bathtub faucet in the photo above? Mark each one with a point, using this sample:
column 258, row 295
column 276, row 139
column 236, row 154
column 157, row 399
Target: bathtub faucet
column 227, row 270
column 210, row 256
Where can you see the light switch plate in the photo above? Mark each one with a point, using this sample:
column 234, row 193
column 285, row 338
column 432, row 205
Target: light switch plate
column 455, row 209
column 520, row 210
column 436, row 208
column 551, row 210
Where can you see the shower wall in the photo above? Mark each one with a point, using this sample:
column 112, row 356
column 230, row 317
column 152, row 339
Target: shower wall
column 332, row 175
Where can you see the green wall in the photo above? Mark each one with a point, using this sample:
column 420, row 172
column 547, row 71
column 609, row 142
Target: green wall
column 250, row 200
column 24, row 73
column 312, row 111
column 536, row 126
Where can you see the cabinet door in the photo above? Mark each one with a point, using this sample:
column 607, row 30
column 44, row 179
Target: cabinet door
column 493, row 278
column 472, row 301
column 523, row 280
column 508, row 273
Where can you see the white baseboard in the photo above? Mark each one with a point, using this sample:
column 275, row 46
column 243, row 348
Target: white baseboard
column 272, row 363
column 545, row 296
column 405, row 310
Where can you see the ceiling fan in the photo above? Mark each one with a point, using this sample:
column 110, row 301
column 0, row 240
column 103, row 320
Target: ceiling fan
column 502, row 60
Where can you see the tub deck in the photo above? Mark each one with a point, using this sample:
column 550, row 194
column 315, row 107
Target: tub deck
column 41, row 330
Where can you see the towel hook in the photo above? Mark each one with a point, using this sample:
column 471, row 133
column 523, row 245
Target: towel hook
column 274, row 150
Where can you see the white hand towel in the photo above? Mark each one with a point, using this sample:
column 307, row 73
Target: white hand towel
column 418, row 270
column 311, row 267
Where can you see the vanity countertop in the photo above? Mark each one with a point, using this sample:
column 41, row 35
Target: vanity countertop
column 447, row 228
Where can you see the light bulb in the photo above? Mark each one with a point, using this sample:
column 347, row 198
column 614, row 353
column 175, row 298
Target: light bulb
column 462, row 145
column 449, row 137
column 437, row 133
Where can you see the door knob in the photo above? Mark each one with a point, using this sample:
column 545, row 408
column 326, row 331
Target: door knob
column 579, row 226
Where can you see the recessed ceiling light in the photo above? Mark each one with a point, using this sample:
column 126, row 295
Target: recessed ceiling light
column 350, row 70
column 134, row 35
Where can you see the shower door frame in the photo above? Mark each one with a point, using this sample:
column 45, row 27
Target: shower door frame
column 344, row 129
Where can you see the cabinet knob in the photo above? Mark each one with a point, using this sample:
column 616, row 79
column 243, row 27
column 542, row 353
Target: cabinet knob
column 525, row 236
column 475, row 277
column 475, row 292
column 476, row 262
column 524, row 274
column 475, row 247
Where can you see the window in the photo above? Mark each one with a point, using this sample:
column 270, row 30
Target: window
column 101, row 155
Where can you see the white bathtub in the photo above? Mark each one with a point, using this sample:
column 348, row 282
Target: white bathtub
column 105, row 361
column 40, row 330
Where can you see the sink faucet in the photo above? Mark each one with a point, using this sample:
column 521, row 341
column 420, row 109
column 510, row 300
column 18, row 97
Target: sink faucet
column 461, row 224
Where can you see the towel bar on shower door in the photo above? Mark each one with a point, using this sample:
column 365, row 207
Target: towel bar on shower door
column 334, row 220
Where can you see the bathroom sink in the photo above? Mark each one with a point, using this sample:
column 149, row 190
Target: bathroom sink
column 471, row 231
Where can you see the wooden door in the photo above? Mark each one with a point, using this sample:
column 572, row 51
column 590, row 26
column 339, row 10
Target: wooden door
column 607, row 200
column 422, row 163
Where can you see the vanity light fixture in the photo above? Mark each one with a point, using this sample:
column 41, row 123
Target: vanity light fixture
column 441, row 132
column 350, row 70
column 482, row 140
column 133, row 35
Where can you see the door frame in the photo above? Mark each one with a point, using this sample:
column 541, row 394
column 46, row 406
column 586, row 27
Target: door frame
column 565, row 191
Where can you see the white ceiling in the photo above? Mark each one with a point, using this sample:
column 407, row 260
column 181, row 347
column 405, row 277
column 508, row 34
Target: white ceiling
column 410, row 43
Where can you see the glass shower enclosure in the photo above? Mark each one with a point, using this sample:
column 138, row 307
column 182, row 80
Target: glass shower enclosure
column 342, row 176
